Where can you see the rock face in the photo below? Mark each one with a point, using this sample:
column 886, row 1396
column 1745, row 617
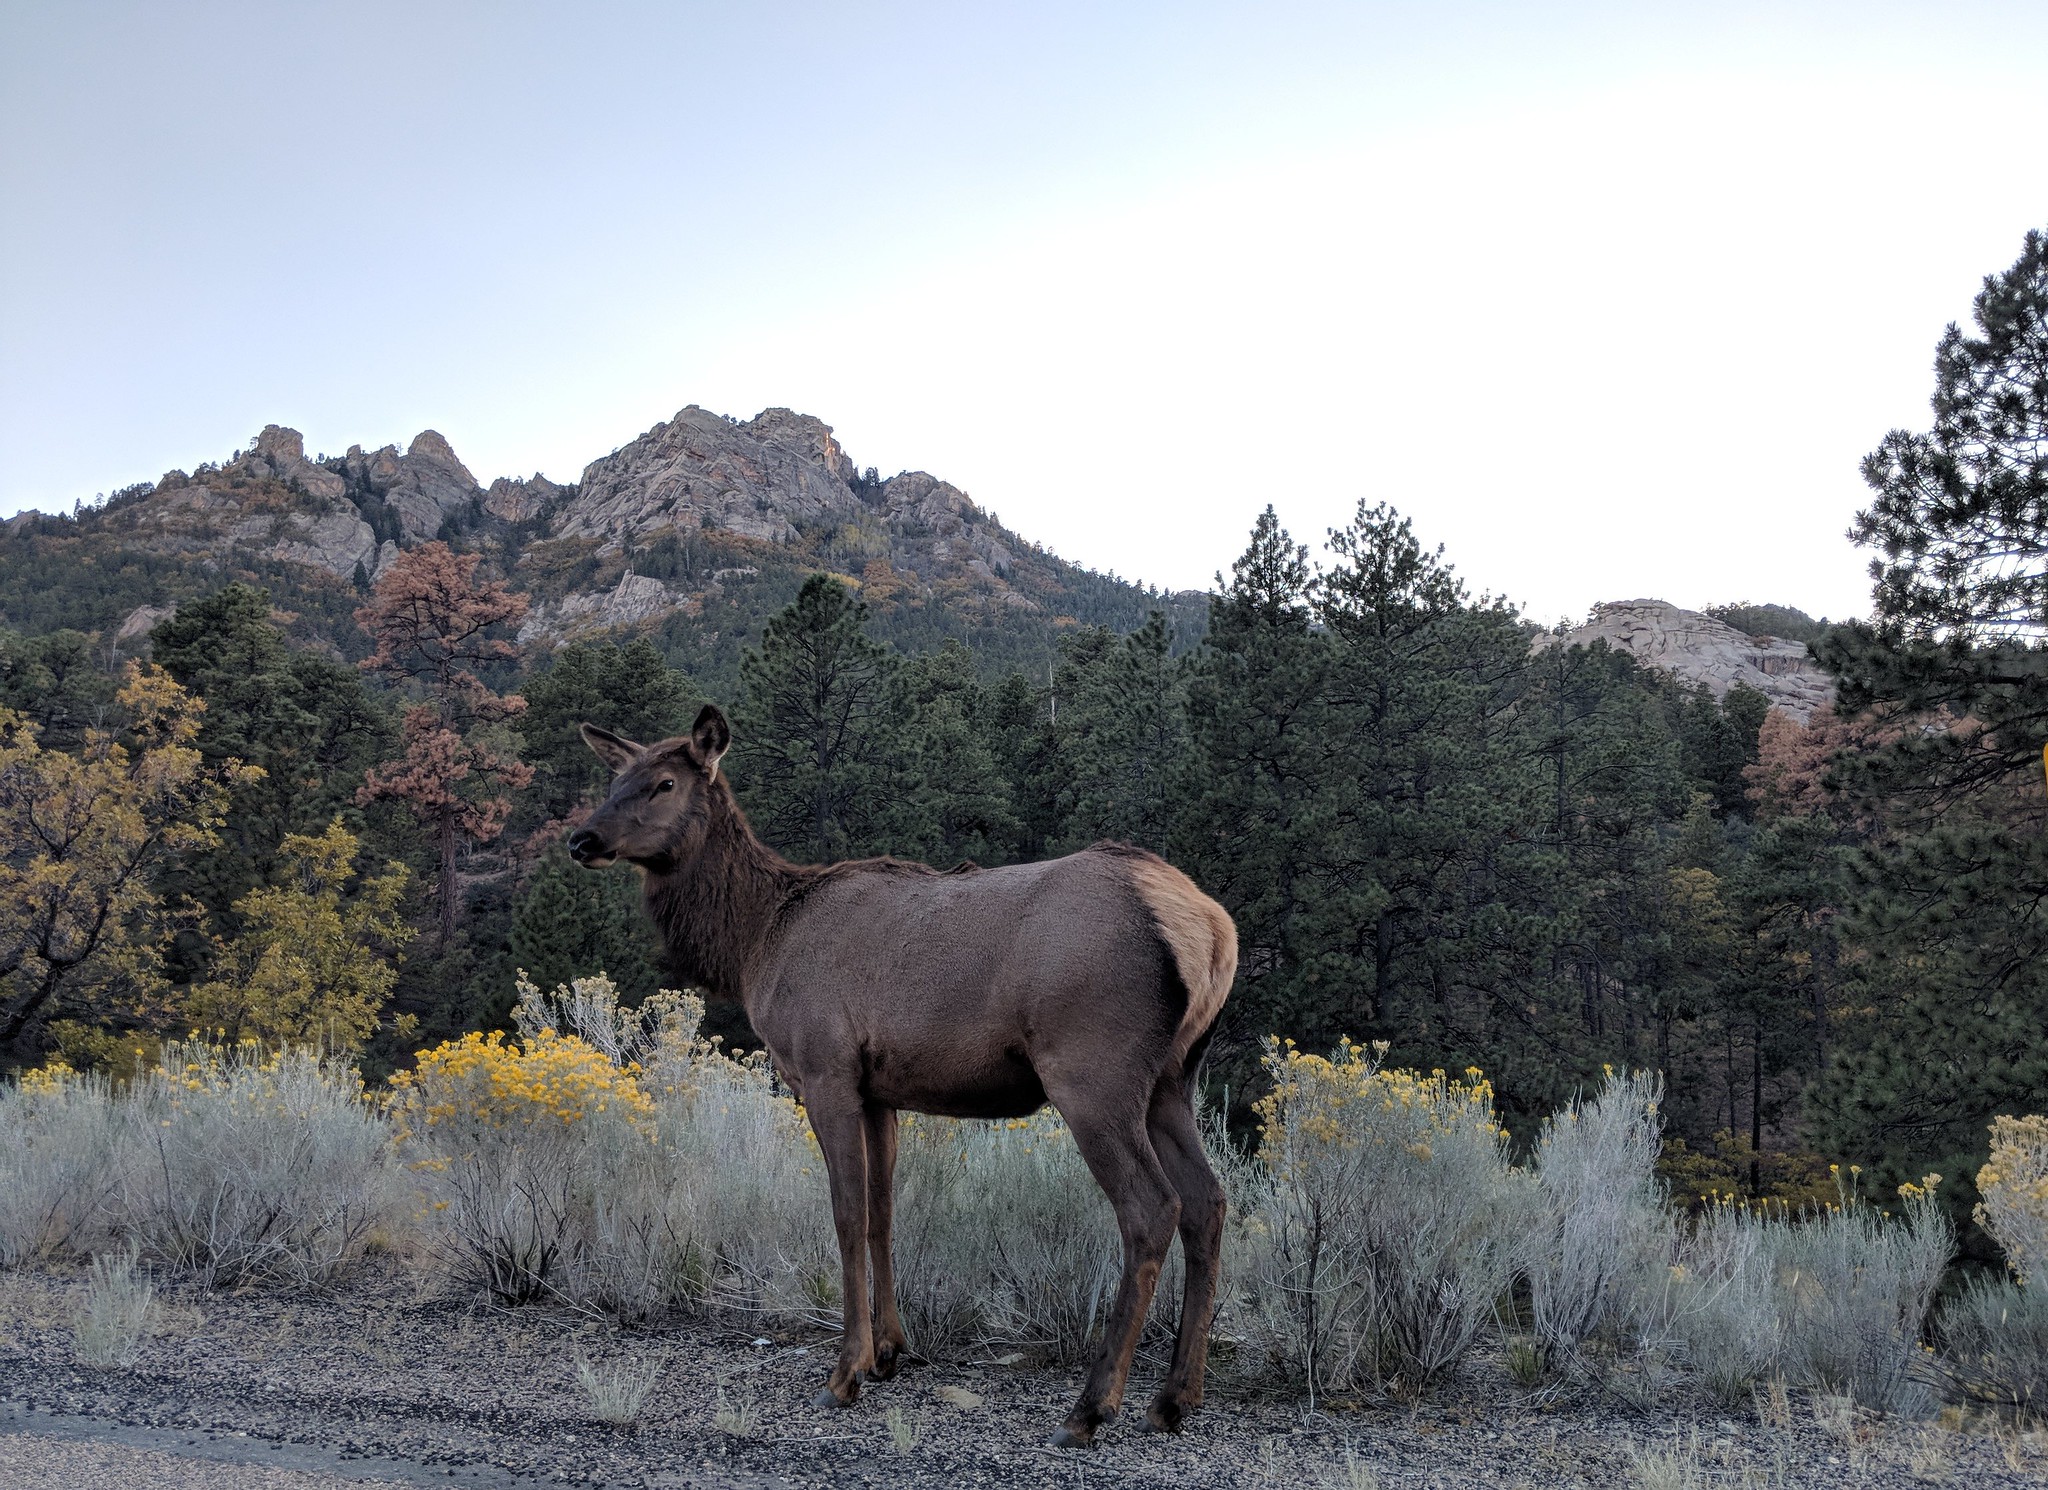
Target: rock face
column 1699, row 649
column 521, row 501
column 425, row 486
column 279, row 454
column 780, row 479
column 765, row 479
column 636, row 597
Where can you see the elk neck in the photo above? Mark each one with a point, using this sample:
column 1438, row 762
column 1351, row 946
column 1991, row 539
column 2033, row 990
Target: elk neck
column 717, row 912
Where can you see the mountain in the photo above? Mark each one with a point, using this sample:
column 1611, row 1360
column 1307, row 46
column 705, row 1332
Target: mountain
column 697, row 530
column 1699, row 648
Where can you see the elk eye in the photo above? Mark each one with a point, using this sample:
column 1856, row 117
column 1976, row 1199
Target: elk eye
column 664, row 785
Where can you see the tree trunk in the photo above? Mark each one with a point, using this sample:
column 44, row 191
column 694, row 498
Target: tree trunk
column 448, row 888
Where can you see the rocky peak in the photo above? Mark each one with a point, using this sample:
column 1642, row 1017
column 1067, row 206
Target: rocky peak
column 424, row 486
column 279, row 454
column 431, row 446
column 1698, row 648
column 765, row 479
column 808, row 437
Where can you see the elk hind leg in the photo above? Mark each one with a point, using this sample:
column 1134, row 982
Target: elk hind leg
column 1177, row 1140
column 1119, row 1154
column 880, row 1125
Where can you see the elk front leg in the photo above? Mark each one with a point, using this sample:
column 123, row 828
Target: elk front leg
column 881, row 1135
column 843, row 1141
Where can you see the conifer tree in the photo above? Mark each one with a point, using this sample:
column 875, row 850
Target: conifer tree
column 1124, row 743
column 1949, row 909
column 816, row 742
column 305, row 719
column 1259, row 797
column 436, row 624
column 628, row 688
column 571, row 923
column 953, row 801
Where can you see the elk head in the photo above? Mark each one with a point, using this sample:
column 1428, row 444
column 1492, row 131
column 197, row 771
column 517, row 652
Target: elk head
column 654, row 816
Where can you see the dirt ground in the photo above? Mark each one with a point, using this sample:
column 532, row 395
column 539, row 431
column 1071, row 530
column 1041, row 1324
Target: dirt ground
column 404, row 1381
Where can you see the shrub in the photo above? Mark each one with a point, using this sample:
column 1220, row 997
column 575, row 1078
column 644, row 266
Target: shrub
column 1003, row 1238
column 630, row 1164
column 614, row 1394
column 1834, row 1299
column 2014, row 1184
column 1857, row 1285
column 1720, row 1302
column 1995, row 1339
column 1388, row 1227
column 1600, row 1230
column 254, row 1166
column 60, row 1152
column 515, row 1142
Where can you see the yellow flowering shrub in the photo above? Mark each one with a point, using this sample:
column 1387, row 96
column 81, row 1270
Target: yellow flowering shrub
column 617, row 1157
column 2014, row 1184
column 1390, row 1220
column 481, row 1082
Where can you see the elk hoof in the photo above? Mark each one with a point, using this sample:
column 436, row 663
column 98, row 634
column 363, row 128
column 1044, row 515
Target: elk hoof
column 1073, row 1438
column 887, row 1358
column 1165, row 1416
column 828, row 1398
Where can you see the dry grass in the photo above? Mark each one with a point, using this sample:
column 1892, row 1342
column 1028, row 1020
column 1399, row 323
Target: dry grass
column 111, row 1318
column 616, row 1392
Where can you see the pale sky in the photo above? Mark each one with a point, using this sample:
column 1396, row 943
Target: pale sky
column 1611, row 299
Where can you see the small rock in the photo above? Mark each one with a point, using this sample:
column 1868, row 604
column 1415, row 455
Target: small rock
column 958, row 1397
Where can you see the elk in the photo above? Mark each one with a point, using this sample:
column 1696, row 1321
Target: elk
column 881, row 986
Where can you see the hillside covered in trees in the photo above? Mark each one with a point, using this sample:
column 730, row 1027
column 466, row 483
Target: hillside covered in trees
column 288, row 746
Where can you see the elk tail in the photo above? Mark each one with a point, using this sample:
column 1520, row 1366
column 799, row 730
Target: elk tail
column 1203, row 941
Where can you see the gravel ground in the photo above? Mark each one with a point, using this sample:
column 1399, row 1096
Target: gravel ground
column 401, row 1380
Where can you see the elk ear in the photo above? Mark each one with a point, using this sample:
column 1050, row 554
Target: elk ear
column 614, row 750
column 710, row 735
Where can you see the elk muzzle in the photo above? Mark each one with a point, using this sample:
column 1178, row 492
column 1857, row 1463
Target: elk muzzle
column 587, row 848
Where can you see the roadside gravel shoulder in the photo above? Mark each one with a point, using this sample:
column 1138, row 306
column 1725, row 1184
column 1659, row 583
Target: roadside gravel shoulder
column 394, row 1380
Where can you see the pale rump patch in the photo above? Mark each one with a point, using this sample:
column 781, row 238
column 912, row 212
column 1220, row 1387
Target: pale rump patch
column 1201, row 936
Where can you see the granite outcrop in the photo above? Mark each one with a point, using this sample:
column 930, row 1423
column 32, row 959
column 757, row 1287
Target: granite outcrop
column 1700, row 649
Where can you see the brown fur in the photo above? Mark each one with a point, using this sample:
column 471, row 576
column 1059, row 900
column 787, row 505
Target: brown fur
column 880, row 986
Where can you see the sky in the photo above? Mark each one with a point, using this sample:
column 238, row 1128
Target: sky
column 1610, row 299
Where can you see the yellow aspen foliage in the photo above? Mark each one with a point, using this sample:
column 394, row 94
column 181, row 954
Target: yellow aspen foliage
column 313, row 963
column 81, row 927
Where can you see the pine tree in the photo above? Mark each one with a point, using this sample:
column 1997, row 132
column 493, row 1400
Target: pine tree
column 1124, row 743
column 628, row 688
column 304, row 719
column 1432, row 892
column 1259, row 804
column 815, row 745
column 571, row 923
column 953, row 803
column 435, row 624
column 1948, row 914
